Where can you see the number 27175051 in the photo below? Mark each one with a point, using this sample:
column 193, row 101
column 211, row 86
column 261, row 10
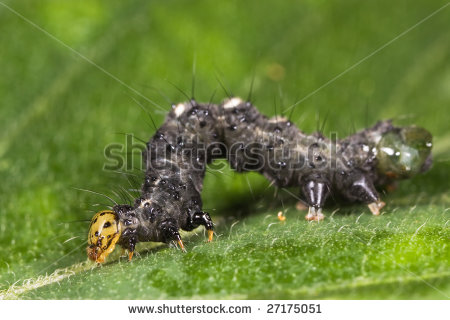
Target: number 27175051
column 293, row 308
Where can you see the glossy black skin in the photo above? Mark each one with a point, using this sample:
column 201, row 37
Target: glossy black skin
column 195, row 134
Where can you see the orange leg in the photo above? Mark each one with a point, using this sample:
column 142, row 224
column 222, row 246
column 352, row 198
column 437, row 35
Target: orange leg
column 375, row 207
column 210, row 235
column 180, row 243
column 203, row 218
column 314, row 214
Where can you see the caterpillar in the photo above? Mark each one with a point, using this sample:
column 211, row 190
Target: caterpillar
column 194, row 134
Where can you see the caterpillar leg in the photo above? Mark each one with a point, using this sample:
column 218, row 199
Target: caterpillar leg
column 171, row 233
column 314, row 214
column 362, row 189
column 316, row 192
column 130, row 254
column 203, row 218
column 180, row 242
column 281, row 217
column 129, row 245
column 375, row 207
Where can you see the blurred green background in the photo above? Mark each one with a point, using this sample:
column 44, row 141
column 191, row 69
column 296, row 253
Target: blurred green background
column 58, row 112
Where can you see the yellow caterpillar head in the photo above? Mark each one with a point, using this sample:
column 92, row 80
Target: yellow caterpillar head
column 104, row 232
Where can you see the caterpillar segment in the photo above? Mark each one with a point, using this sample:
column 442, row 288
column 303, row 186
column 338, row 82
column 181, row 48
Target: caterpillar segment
column 194, row 134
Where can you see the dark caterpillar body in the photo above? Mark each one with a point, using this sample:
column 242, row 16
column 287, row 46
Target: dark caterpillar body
column 194, row 134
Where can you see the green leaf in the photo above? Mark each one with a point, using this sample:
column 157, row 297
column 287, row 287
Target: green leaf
column 67, row 95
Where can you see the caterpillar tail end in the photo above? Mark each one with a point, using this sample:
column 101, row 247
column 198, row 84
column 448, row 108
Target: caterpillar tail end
column 375, row 207
column 315, row 214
